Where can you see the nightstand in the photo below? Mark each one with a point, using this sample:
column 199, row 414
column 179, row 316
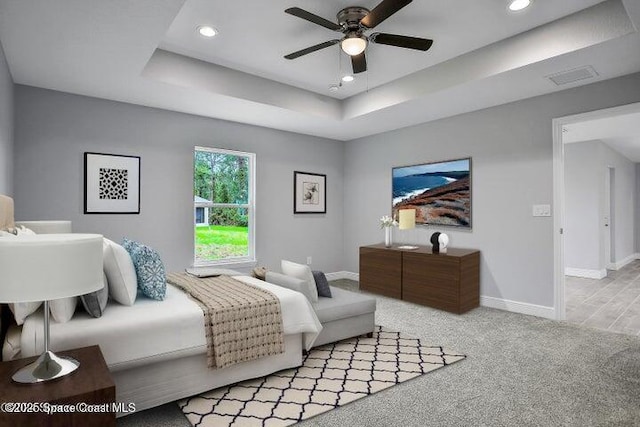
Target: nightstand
column 90, row 389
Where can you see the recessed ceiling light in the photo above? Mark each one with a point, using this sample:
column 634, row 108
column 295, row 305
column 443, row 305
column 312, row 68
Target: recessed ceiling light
column 516, row 5
column 334, row 88
column 207, row 31
column 347, row 79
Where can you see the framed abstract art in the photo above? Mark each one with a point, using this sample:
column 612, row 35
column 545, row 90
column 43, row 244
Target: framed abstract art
column 111, row 184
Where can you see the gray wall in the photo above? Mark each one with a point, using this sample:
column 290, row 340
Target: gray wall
column 54, row 129
column 586, row 167
column 624, row 209
column 582, row 186
column 511, row 147
column 6, row 127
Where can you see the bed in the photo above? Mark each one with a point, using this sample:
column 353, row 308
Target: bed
column 156, row 350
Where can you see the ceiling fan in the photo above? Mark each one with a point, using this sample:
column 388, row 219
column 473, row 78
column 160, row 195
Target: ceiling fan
column 353, row 22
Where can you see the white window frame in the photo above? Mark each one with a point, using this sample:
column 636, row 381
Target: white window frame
column 250, row 259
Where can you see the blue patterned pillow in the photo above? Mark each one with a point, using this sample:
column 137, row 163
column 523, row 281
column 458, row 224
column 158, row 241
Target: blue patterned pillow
column 152, row 279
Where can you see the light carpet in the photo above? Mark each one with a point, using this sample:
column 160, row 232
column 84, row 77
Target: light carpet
column 330, row 376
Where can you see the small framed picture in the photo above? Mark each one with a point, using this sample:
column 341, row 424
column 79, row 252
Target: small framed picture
column 111, row 184
column 309, row 193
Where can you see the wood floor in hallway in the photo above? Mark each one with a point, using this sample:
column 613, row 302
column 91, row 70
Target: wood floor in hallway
column 611, row 304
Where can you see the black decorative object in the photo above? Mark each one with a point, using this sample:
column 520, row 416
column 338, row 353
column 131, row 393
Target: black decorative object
column 435, row 242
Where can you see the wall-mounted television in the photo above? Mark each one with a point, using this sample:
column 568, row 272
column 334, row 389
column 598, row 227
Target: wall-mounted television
column 440, row 192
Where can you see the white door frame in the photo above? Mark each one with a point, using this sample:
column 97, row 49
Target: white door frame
column 558, row 194
column 608, row 218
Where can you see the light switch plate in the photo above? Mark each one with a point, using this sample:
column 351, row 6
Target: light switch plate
column 541, row 210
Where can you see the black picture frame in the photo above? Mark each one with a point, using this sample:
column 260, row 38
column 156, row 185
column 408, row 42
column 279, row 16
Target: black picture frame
column 111, row 184
column 309, row 193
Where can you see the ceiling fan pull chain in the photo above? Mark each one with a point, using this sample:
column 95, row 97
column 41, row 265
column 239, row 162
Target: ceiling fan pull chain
column 371, row 55
column 339, row 64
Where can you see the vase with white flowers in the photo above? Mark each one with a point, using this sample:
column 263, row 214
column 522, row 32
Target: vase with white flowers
column 387, row 223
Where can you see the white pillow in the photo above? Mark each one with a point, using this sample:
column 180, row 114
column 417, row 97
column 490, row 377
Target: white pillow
column 11, row 348
column 22, row 310
column 303, row 272
column 62, row 309
column 21, row 230
column 289, row 282
column 17, row 231
column 121, row 274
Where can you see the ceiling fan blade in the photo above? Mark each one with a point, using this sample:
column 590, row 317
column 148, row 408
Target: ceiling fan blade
column 310, row 49
column 359, row 63
column 401, row 41
column 300, row 13
column 383, row 11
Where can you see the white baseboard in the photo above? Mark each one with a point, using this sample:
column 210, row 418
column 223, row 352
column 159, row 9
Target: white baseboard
column 600, row 274
column 501, row 304
column 587, row 274
column 628, row 260
column 343, row 275
column 518, row 307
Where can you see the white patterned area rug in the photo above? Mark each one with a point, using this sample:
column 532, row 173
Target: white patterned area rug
column 330, row 376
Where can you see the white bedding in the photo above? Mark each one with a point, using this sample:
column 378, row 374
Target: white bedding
column 297, row 313
column 156, row 330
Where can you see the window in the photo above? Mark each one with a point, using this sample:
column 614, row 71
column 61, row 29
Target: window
column 224, row 206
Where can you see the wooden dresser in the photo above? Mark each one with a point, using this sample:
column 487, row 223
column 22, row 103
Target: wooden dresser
column 448, row 281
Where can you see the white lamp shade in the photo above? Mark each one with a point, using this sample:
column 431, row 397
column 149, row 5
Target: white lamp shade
column 354, row 45
column 49, row 266
column 407, row 219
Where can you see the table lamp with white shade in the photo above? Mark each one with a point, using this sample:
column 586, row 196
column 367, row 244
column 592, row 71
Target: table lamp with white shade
column 43, row 268
column 407, row 221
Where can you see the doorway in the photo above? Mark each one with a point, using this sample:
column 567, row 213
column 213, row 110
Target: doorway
column 619, row 255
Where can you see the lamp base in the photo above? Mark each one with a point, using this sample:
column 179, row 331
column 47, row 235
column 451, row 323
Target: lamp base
column 47, row 367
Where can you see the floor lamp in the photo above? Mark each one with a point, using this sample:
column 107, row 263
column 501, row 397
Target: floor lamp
column 43, row 268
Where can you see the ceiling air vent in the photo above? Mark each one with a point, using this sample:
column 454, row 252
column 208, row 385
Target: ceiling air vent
column 574, row 75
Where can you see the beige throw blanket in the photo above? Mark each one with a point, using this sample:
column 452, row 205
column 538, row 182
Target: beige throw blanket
column 242, row 322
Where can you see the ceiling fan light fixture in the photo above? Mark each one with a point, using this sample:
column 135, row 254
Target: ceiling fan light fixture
column 353, row 44
column 518, row 5
column 207, row 31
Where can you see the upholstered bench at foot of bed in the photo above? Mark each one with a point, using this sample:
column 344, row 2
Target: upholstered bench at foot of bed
column 347, row 314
